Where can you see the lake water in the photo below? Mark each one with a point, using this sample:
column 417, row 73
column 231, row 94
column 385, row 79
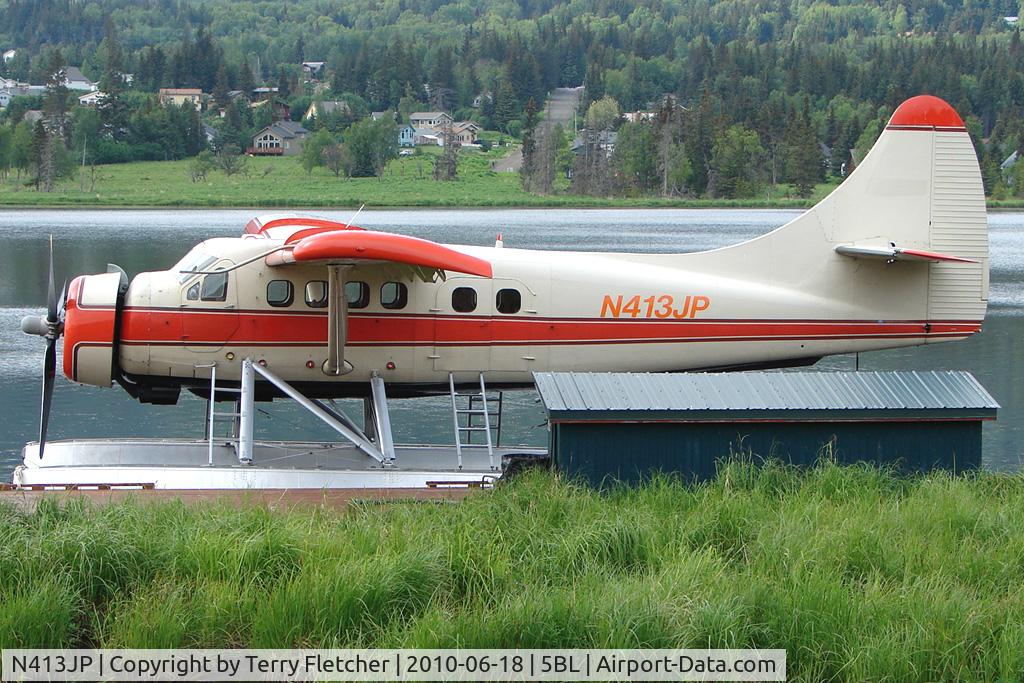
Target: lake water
column 85, row 241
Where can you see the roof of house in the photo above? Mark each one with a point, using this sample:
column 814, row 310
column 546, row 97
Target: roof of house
column 73, row 73
column 427, row 115
column 95, row 95
column 284, row 129
column 460, row 126
column 330, row 107
column 180, row 91
column 606, row 138
column 664, row 394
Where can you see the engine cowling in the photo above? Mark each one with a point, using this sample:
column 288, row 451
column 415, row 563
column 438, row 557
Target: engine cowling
column 90, row 326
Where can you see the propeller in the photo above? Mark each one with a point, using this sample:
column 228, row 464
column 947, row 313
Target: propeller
column 50, row 328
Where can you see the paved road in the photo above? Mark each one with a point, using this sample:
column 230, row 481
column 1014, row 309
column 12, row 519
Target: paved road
column 561, row 106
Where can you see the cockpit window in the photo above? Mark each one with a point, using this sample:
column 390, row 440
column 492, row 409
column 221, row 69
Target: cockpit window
column 215, row 287
column 193, row 261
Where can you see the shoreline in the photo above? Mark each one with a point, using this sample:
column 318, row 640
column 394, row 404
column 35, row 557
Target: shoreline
column 618, row 205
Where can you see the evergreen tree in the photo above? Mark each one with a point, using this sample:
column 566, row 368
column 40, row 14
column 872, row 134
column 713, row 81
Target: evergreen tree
column 222, row 87
column 112, row 109
column 528, row 170
column 804, row 162
column 505, row 106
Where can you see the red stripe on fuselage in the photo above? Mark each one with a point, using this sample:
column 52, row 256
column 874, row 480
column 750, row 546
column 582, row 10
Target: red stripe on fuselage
column 162, row 326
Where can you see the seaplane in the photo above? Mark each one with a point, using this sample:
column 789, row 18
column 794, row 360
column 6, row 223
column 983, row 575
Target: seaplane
column 315, row 310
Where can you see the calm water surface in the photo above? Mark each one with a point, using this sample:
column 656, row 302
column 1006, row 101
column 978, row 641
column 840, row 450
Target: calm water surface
column 85, row 241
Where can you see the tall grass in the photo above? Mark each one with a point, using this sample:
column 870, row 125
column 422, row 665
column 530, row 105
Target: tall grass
column 857, row 573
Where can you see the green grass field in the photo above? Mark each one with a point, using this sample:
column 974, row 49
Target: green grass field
column 282, row 182
column 858, row 574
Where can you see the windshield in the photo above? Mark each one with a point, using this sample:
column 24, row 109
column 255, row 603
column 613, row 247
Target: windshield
column 195, row 260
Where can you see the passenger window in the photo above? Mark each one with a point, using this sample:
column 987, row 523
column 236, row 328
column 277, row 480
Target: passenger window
column 215, row 287
column 193, row 292
column 280, row 293
column 464, row 299
column 508, row 301
column 316, row 294
column 357, row 294
column 394, row 295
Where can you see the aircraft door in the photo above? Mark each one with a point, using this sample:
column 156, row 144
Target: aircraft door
column 462, row 325
column 514, row 332
column 209, row 308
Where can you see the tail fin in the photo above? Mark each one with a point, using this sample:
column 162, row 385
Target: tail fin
column 916, row 196
column 920, row 190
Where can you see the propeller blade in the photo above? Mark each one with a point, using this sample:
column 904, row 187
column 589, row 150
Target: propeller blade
column 49, row 372
column 51, row 295
column 62, row 301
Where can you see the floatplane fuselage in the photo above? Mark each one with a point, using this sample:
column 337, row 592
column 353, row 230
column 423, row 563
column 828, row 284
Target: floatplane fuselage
column 896, row 256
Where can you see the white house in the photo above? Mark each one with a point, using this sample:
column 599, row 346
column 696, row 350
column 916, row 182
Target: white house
column 10, row 54
column 92, row 99
column 312, row 69
column 434, row 120
column 74, row 79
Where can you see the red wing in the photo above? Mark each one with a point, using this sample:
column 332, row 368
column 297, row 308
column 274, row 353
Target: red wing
column 363, row 245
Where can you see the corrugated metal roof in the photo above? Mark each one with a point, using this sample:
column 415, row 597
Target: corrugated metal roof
column 571, row 392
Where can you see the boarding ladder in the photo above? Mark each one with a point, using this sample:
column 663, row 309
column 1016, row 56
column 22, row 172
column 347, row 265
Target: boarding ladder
column 214, row 416
column 474, row 412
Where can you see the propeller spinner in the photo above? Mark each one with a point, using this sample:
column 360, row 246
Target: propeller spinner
column 50, row 328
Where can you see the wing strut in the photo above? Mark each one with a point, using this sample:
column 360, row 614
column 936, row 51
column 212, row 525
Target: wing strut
column 337, row 322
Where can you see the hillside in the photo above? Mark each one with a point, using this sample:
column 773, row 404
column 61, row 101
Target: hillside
column 756, row 65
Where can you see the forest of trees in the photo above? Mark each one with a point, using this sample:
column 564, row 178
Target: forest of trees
column 741, row 89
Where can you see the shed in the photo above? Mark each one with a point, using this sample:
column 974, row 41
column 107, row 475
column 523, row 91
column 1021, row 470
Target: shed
column 628, row 426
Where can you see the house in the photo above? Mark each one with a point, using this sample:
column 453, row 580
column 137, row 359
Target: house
column 637, row 116
column 465, row 132
column 426, row 136
column 8, row 93
column 406, row 136
column 179, row 96
column 313, row 69
column 32, row 116
column 210, row 133
column 319, row 108
column 434, row 120
column 605, row 140
column 480, row 99
column 9, row 55
column 280, row 110
column 1006, row 168
column 74, row 79
column 92, row 99
column 281, row 138
column 264, row 92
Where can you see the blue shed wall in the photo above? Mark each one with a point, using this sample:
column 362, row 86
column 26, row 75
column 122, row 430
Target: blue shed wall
column 630, row 452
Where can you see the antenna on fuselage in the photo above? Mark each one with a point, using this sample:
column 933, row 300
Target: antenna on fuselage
column 355, row 215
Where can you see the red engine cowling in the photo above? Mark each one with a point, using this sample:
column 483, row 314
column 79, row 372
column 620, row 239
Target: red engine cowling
column 89, row 329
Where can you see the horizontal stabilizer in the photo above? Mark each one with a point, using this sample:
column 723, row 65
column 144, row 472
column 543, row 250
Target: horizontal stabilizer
column 891, row 253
